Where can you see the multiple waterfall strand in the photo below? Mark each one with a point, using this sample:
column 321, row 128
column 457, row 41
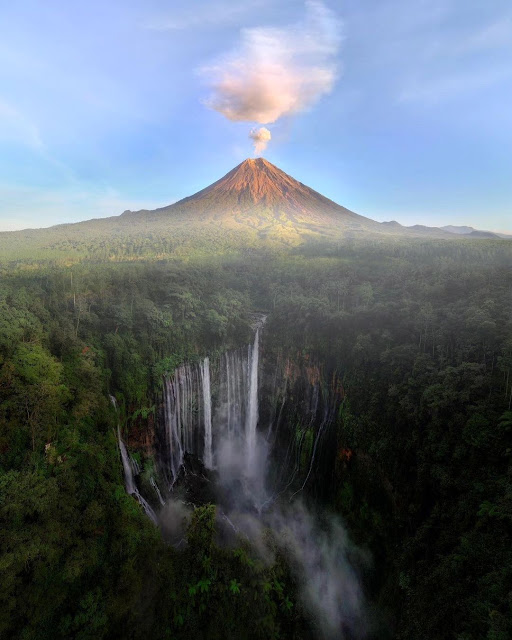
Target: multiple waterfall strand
column 233, row 390
column 183, row 397
column 194, row 425
column 222, row 428
column 215, row 418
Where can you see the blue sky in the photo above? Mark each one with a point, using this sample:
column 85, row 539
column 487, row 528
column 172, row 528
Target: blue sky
column 102, row 108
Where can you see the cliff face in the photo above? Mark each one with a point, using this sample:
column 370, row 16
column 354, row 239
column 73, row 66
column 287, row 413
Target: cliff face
column 299, row 408
column 291, row 402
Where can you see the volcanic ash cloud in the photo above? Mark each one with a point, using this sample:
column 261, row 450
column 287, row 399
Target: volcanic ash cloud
column 277, row 72
column 261, row 137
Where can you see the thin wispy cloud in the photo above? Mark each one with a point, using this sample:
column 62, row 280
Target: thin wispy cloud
column 425, row 53
column 492, row 37
column 496, row 35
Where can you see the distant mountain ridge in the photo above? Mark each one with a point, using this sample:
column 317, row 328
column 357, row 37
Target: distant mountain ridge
column 462, row 230
column 472, row 232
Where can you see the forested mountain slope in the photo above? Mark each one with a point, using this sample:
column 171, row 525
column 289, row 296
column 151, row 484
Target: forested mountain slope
column 256, row 205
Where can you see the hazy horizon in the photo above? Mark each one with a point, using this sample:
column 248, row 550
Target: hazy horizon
column 156, row 205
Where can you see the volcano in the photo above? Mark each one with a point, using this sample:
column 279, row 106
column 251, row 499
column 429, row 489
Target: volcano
column 255, row 203
column 257, row 184
column 257, row 195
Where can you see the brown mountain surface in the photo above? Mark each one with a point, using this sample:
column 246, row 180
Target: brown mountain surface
column 259, row 196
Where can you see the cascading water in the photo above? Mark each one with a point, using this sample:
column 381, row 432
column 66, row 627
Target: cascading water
column 181, row 398
column 129, row 480
column 193, row 425
column 232, row 404
column 252, row 411
column 207, row 404
column 157, row 491
column 211, row 412
column 130, row 467
column 127, row 467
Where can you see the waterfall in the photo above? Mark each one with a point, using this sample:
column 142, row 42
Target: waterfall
column 233, row 390
column 211, row 412
column 188, row 416
column 193, row 424
column 131, row 487
column 207, row 407
column 174, row 407
column 157, row 490
column 252, row 411
column 127, row 467
column 135, row 466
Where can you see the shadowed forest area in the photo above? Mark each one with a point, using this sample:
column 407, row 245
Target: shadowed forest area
column 417, row 461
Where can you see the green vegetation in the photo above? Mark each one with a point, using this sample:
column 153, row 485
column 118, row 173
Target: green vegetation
column 423, row 340
column 421, row 333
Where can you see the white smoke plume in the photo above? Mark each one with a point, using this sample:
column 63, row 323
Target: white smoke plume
column 261, row 137
column 277, row 72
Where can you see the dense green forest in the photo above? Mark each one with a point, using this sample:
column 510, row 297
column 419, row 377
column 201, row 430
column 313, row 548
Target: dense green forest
column 420, row 332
